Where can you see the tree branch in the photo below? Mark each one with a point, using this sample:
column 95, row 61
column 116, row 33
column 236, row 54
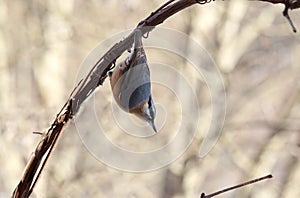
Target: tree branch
column 83, row 90
column 86, row 87
column 289, row 5
column 235, row 187
column 292, row 3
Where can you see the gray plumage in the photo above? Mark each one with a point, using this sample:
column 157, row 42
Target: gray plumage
column 136, row 86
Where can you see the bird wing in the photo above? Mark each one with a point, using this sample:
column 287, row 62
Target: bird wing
column 136, row 86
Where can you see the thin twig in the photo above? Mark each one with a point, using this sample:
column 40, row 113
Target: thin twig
column 289, row 5
column 234, row 187
column 287, row 16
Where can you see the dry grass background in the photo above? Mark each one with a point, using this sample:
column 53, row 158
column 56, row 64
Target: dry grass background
column 42, row 44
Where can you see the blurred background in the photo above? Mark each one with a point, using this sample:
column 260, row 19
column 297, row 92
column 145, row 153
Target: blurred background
column 42, row 46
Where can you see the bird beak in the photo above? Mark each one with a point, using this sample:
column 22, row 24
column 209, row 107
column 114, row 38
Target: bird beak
column 153, row 125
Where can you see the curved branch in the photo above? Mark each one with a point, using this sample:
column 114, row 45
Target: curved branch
column 83, row 90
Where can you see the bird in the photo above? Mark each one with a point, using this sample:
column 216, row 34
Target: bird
column 131, row 85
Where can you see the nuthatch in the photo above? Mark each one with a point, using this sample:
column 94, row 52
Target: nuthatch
column 130, row 83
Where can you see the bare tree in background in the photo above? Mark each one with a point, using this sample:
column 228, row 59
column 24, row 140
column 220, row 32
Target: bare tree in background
column 273, row 123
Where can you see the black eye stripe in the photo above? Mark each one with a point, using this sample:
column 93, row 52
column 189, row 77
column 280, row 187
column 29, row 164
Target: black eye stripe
column 149, row 102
